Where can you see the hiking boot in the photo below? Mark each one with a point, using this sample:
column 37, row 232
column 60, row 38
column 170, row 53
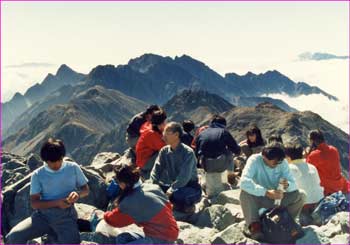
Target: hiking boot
column 254, row 231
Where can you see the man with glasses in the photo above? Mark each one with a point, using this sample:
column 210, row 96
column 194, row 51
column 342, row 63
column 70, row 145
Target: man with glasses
column 259, row 187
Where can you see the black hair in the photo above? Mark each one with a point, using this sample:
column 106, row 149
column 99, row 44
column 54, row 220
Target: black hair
column 274, row 151
column 188, row 125
column 275, row 138
column 294, row 151
column 151, row 109
column 218, row 119
column 259, row 139
column 158, row 118
column 316, row 136
column 52, row 150
column 129, row 175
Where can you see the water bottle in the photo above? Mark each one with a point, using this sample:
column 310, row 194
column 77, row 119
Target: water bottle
column 280, row 188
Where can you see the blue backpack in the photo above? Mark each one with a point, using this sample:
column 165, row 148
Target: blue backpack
column 328, row 206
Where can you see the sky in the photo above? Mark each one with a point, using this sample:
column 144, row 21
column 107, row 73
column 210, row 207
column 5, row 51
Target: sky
column 37, row 37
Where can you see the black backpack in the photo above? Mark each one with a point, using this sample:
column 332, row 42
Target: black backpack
column 279, row 227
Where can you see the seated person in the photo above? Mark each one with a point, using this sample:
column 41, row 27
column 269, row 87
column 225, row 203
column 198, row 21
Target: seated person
column 215, row 147
column 327, row 162
column 253, row 144
column 306, row 178
column 259, row 182
column 149, row 144
column 144, row 205
column 175, row 171
column 54, row 188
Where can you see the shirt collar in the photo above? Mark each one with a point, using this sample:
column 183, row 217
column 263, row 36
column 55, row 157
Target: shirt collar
column 47, row 168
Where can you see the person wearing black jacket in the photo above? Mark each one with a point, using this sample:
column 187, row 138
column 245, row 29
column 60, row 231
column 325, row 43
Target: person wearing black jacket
column 215, row 147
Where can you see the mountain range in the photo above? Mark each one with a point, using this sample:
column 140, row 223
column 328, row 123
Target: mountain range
column 89, row 112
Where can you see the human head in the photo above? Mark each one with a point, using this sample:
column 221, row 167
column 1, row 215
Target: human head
column 126, row 176
column 52, row 152
column 158, row 120
column 254, row 136
column 316, row 137
column 293, row 151
column 172, row 133
column 273, row 154
column 150, row 110
column 218, row 120
column 188, row 125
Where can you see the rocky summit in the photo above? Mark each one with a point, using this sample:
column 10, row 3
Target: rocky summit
column 218, row 222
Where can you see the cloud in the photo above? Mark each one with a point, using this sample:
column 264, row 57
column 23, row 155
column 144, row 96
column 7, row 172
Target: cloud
column 31, row 65
column 320, row 56
column 335, row 112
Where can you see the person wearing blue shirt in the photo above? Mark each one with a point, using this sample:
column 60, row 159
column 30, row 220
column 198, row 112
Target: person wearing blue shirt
column 54, row 188
column 259, row 187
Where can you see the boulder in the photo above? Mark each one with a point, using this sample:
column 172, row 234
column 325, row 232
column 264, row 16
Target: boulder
column 96, row 238
column 229, row 196
column 34, row 162
column 190, row 234
column 232, row 234
column 215, row 216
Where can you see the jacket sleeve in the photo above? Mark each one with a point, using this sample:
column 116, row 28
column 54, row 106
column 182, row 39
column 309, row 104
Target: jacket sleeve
column 231, row 143
column 157, row 169
column 117, row 219
column 247, row 182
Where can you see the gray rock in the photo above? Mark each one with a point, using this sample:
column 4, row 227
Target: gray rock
column 312, row 236
column 230, row 196
column 104, row 157
column 236, row 211
column 232, row 235
column 341, row 239
column 12, row 164
column 216, row 216
column 34, row 162
column 98, row 195
column 190, row 234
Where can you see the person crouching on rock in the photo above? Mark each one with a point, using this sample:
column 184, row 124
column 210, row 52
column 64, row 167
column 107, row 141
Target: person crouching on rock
column 259, row 187
column 54, row 188
column 175, row 171
column 145, row 205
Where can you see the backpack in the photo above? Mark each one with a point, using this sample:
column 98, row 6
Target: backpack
column 328, row 206
column 279, row 227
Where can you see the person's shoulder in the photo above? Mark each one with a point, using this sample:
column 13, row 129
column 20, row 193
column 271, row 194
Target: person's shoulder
column 39, row 170
column 165, row 149
column 71, row 165
column 188, row 149
column 293, row 167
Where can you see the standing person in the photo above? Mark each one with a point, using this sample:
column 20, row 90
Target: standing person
column 259, row 187
column 144, row 205
column 307, row 179
column 54, row 188
column 188, row 127
column 327, row 162
column 214, row 148
column 175, row 171
column 149, row 143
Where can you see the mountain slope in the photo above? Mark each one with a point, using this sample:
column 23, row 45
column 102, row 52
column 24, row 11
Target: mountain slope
column 79, row 123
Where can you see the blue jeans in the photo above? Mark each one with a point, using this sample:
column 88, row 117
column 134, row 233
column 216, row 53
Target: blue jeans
column 136, row 238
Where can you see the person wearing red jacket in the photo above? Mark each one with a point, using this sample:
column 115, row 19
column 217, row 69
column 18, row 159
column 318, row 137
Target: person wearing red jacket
column 327, row 162
column 155, row 216
column 149, row 143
